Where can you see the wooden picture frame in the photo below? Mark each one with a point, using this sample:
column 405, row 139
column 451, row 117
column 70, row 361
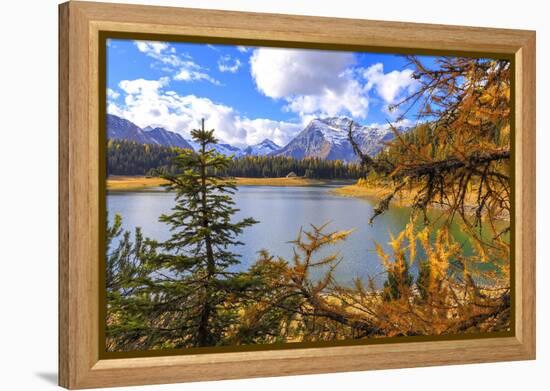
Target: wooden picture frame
column 80, row 26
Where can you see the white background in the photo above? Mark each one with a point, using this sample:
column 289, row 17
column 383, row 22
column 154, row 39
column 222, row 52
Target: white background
column 28, row 197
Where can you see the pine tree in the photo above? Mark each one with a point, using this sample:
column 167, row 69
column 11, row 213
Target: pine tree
column 127, row 277
column 196, row 306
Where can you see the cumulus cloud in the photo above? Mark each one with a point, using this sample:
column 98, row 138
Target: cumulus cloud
column 227, row 63
column 389, row 86
column 111, row 94
column 182, row 65
column 311, row 81
column 321, row 83
column 281, row 73
column 242, row 49
column 350, row 100
column 142, row 86
column 149, row 103
column 259, row 129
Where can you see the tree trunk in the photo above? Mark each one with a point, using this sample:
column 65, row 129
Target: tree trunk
column 204, row 335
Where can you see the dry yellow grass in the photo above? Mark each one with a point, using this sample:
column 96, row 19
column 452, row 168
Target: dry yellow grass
column 123, row 183
column 373, row 192
column 131, row 183
column 402, row 198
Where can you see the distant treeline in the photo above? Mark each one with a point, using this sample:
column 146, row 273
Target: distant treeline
column 131, row 158
column 280, row 166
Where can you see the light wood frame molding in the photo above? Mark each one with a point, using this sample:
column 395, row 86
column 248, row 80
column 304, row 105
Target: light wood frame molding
column 79, row 27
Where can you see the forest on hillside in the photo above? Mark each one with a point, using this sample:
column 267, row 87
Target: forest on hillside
column 182, row 292
column 132, row 158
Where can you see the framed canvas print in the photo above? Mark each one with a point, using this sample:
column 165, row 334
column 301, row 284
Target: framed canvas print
column 247, row 195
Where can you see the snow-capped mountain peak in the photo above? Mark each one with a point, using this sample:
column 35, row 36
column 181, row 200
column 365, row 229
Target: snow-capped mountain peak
column 223, row 148
column 334, row 129
column 327, row 138
column 265, row 147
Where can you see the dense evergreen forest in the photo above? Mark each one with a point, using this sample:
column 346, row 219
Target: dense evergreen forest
column 280, row 166
column 131, row 158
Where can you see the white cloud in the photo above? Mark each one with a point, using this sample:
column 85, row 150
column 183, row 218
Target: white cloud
column 311, row 81
column 190, row 75
column 259, row 129
column 389, row 86
column 142, row 86
column 351, row 100
column 404, row 122
column 148, row 103
column 228, row 64
column 113, row 108
column 184, row 74
column 161, row 52
column 280, row 73
column 151, row 47
column 182, row 65
column 242, row 49
column 111, row 94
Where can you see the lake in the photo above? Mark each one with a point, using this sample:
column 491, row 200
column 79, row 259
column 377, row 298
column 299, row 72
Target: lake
column 281, row 212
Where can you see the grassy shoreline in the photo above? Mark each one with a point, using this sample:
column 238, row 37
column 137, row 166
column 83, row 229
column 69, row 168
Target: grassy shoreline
column 133, row 183
column 403, row 198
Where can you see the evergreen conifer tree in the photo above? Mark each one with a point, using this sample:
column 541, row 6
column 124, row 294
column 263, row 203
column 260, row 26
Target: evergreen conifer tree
column 197, row 258
column 127, row 277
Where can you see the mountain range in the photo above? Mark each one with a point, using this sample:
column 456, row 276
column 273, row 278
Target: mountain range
column 122, row 129
column 325, row 138
column 266, row 147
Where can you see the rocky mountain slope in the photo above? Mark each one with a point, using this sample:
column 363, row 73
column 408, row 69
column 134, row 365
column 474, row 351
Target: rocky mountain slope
column 266, row 147
column 122, row 129
column 328, row 139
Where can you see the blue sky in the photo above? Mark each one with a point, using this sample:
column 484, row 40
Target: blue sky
column 250, row 93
